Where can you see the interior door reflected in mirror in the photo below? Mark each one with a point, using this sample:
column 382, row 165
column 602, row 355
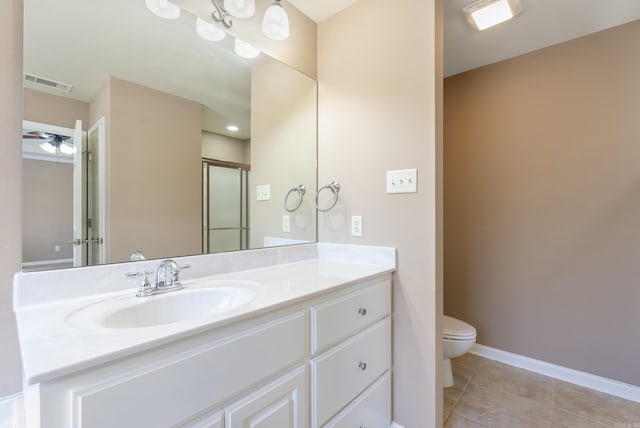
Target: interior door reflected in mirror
column 156, row 102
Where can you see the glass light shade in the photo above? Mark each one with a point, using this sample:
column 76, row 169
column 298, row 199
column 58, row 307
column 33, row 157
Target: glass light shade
column 209, row 31
column 48, row 147
column 275, row 24
column 163, row 8
column 484, row 14
column 67, row 148
column 240, row 8
column 246, row 50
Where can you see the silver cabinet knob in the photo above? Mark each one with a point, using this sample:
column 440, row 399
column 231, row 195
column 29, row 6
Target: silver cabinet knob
column 362, row 365
column 362, row 311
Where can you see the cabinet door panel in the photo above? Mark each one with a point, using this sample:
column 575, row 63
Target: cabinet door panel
column 280, row 404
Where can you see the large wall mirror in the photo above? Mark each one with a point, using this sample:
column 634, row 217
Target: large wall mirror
column 165, row 144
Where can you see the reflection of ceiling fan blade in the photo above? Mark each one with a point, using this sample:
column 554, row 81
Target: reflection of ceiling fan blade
column 38, row 135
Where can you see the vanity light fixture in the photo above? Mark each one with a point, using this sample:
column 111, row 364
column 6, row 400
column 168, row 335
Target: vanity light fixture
column 275, row 23
column 484, row 14
column 163, row 8
column 209, row 31
column 245, row 50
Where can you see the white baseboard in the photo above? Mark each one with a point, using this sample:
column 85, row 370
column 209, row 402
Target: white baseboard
column 598, row 383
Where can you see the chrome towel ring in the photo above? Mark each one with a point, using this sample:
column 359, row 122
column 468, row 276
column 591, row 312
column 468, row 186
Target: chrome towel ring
column 335, row 188
column 300, row 190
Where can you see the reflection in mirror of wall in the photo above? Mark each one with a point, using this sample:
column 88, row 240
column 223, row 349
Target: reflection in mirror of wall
column 167, row 99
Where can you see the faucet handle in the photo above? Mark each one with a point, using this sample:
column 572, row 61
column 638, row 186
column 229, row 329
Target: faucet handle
column 145, row 285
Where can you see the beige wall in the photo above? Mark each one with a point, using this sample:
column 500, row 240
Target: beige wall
column 154, row 173
column 54, row 110
column 542, row 203
column 10, row 186
column 379, row 107
column 283, row 150
column 221, row 147
column 47, row 220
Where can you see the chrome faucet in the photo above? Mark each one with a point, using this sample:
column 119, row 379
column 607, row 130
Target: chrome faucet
column 167, row 279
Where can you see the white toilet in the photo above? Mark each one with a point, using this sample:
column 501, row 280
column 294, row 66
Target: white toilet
column 458, row 338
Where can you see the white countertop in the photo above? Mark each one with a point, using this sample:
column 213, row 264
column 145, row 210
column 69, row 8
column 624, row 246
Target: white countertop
column 51, row 347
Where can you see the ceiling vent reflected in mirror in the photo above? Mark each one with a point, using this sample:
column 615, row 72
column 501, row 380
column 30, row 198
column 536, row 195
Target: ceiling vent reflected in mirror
column 65, row 87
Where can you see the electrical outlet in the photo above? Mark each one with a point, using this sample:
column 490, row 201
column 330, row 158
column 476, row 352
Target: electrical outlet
column 286, row 223
column 356, row 225
column 56, row 248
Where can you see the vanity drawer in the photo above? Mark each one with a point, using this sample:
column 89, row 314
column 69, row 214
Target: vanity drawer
column 338, row 319
column 372, row 409
column 193, row 381
column 342, row 373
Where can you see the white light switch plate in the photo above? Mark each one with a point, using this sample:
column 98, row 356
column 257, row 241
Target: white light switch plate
column 286, row 223
column 263, row 193
column 402, row 181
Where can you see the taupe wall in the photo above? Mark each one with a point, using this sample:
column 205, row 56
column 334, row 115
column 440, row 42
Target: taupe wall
column 542, row 203
column 47, row 210
column 154, row 173
column 10, row 186
column 283, row 150
column 54, row 110
column 379, row 110
column 221, row 147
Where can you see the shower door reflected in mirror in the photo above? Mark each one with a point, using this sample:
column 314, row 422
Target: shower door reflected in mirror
column 225, row 193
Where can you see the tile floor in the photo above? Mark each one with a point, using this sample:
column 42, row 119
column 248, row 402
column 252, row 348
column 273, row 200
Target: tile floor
column 487, row 393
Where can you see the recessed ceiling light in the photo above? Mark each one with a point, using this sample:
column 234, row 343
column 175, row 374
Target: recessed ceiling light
column 232, row 128
column 487, row 13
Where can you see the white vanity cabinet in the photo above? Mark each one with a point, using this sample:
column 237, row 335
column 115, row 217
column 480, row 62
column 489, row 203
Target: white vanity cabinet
column 320, row 361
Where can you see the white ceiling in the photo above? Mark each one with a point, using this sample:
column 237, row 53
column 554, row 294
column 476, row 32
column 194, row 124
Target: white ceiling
column 542, row 23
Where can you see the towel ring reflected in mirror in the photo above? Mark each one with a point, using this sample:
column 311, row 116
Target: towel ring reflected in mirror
column 300, row 190
column 335, row 189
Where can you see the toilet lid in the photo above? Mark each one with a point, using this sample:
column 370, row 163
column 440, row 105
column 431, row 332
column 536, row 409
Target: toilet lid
column 453, row 328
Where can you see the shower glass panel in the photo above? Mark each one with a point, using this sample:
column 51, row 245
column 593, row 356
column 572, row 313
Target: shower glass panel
column 225, row 214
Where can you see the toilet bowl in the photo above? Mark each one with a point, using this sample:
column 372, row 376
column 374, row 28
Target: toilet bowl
column 458, row 338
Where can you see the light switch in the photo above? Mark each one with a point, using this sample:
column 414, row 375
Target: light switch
column 402, row 181
column 286, row 223
column 263, row 192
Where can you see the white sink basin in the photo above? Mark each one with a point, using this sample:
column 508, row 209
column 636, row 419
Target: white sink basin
column 190, row 303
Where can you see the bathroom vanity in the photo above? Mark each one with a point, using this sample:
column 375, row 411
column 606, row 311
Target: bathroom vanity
column 302, row 342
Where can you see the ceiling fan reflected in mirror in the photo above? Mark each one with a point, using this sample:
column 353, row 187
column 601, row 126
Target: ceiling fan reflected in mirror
column 52, row 143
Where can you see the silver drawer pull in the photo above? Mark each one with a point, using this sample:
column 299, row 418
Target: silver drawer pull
column 362, row 311
column 362, row 365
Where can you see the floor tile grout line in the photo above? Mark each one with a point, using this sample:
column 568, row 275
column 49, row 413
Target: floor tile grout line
column 464, row 388
column 580, row 416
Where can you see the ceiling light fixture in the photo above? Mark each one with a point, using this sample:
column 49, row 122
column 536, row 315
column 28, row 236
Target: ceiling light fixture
column 209, row 31
column 275, row 23
column 245, row 50
column 163, row 8
column 58, row 144
column 484, row 14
